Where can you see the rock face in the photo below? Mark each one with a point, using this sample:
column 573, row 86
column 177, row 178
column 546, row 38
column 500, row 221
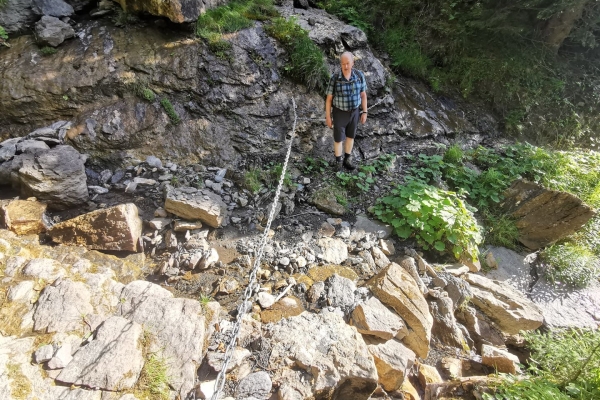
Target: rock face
column 330, row 356
column 94, row 364
column 52, row 31
column 23, row 217
column 61, row 307
column 510, row 268
column 56, row 176
column 115, row 228
column 544, row 216
column 177, row 11
column 398, row 290
column 193, row 204
column 504, row 305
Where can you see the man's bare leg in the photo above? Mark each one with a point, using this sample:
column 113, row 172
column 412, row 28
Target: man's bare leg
column 348, row 146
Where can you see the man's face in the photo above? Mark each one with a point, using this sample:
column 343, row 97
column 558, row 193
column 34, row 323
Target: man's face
column 346, row 63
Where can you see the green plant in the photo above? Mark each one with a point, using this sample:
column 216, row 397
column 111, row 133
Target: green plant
column 437, row 218
column 205, row 299
column 47, row 51
column 500, row 230
column 168, row 107
column 571, row 264
column 314, row 166
column 252, row 180
column 141, row 89
column 3, row 34
column 453, row 155
column 154, row 379
column 361, row 180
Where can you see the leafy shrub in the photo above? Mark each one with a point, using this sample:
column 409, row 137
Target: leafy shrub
column 363, row 179
column 252, row 180
column 3, row 34
column 307, row 64
column 570, row 264
column 47, row 51
column 168, row 107
column 315, row 166
column 437, row 218
column 453, row 155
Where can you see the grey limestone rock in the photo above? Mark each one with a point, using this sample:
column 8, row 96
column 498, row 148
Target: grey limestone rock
column 52, row 31
column 61, row 307
column 53, row 8
column 257, row 385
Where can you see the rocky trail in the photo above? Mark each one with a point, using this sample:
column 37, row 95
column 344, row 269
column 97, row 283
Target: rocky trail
column 127, row 240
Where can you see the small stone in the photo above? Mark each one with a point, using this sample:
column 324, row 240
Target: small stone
column 285, row 261
column 228, row 286
column 387, row 246
column 301, row 261
column 98, row 189
column 236, row 220
column 160, row 213
column 182, row 226
column 265, row 299
column 61, row 358
column 153, row 162
column 257, row 384
column 131, row 187
column 499, row 359
column 159, row 223
column 327, row 229
column 144, row 181
column 43, row 354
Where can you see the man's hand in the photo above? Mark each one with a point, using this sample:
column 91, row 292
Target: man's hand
column 328, row 121
column 363, row 118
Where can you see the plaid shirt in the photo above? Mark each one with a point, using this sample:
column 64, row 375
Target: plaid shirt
column 346, row 92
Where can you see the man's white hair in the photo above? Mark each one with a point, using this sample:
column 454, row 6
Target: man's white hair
column 347, row 53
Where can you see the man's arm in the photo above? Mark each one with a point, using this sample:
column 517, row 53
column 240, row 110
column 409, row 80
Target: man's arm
column 363, row 104
column 328, row 102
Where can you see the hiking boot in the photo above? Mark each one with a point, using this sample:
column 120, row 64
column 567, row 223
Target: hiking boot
column 348, row 163
column 337, row 166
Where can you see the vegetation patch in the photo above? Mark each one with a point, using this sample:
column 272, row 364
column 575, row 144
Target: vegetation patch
column 20, row 387
column 3, row 34
column 563, row 365
column 307, row 62
column 571, row 264
column 48, row 51
column 256, row 178
column 438, row 219
column 168, row 107
column 140, row 89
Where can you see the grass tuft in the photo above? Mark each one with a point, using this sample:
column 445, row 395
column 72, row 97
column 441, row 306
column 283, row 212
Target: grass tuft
column 168, row 107
column 570, row 264
column 48, row 51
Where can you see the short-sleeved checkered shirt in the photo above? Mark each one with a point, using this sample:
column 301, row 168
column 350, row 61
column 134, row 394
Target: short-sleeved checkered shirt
column 346, row 92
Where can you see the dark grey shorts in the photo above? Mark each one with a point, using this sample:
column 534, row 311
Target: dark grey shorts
column 344, row 124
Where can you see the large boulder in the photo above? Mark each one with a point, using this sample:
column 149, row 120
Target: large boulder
column 17, row 16
column 193, row 204
column 53, row 8
column 94, row 364
column 398, row 290
column 544, row 216
column 56, row 176
column 178, row 11
column 178, row 326
column 319, row 355
column 51, row 31
column 115, row 228
column 504, row 305
column 23, row 217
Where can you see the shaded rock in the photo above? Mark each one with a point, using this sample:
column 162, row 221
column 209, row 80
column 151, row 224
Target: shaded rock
column 444, row 324
column 458, row 290
column 316, row 292
column 61, row 358
column 380, row 258
column 17, row 16
column 499, row 359
column 177, row 324
column 61, row 307
column 324, row 349
column 340, row 293
column 23, row 217
column 202, row 205
column 257, row 385
column 408, row 263
column 544, row 216
column 7, row 152
column 564, row 307
column 43, row 354
column 327, row 229
column 392, row 360
column 179, row 11
column 93, row 365
column 510, row 268
column 53, row 8
column 375, row 319
column 335, row 251
column 479, row 328
column 52, row 31
column 504, row 305
column 56, row 176
column 397, row 289
column 115, row 228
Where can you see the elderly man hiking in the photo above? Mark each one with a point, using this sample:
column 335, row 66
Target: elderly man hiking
column 347, row 94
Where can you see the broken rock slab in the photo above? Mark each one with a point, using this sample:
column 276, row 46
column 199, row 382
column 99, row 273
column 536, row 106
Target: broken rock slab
column 193, row 204
column 324, row 349
column 392, row 360
column 23, row 216
column 504, row 305
column 94, row 364
column 115, row 228
column 544, row 216
column 375, row 319
column 398, row 290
